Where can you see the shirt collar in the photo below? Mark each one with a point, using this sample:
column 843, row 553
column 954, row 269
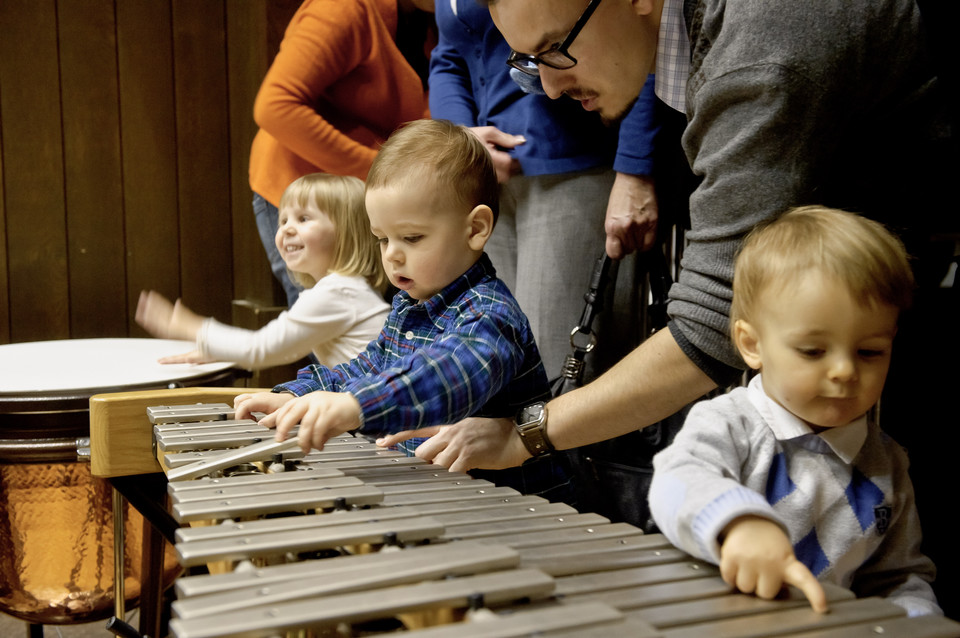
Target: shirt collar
column 845, row 441
column 673, row 56
column 482, row 270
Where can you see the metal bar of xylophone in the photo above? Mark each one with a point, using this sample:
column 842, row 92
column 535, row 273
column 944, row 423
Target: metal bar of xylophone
column 354, row 537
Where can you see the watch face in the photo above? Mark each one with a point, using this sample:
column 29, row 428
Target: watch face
column 531, row 413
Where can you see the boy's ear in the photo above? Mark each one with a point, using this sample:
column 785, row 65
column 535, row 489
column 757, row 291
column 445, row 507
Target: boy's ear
column 747, row 340
column 480, row 222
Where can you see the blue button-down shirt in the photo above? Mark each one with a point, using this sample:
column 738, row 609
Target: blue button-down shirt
column 466, row 351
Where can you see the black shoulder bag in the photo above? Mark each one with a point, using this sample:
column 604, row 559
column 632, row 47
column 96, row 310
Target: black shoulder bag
column 612, row 478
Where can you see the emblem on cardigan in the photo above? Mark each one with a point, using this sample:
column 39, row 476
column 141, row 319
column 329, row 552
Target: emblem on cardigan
column 882, row 514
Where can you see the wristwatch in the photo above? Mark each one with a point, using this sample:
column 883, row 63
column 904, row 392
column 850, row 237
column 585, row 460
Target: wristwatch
column 531, row 423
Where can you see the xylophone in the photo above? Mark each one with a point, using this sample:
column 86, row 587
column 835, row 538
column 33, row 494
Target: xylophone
column 356, row 540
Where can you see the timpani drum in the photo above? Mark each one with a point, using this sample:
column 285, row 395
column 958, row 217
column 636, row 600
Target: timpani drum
column 56, row 519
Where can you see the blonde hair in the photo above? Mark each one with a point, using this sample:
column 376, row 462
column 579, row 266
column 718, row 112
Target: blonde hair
column 451, row 156
column 858, row 252
column 341, row 199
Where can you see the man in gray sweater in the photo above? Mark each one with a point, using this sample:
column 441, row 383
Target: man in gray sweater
column 787, row 103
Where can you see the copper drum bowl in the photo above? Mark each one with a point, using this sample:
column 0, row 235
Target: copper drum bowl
column 56, row 519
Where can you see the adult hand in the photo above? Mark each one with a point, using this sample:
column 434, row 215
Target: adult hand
column 473, row 443
column 632, row 214
column 320, row 415
column 267, row 402
column 756, row 557
column 498, row 143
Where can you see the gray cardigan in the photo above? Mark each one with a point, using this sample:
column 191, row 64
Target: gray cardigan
column 843, row 497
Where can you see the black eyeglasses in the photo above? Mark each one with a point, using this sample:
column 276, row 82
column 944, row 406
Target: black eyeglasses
column 556, row 57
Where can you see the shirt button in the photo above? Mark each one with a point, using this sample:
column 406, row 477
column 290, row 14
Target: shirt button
column 409, row 334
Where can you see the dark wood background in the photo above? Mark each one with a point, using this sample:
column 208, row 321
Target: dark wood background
column 125, row 129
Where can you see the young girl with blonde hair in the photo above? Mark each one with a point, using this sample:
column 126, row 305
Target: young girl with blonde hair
column 325, row 240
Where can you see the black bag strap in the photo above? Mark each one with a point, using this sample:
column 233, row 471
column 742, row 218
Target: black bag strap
column 582, row 338
column 659, row 279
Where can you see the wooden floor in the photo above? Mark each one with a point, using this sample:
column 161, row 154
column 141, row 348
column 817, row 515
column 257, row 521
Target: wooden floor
column 11, row 627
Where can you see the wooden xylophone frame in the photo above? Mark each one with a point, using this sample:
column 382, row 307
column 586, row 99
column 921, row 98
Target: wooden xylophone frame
column 490, row 561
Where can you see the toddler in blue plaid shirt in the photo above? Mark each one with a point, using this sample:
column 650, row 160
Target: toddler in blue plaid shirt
column 456, row 343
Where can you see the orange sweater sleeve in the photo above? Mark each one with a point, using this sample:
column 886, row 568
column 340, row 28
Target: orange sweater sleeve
column 338, row 85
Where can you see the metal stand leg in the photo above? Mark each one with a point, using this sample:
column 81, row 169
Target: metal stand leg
column 151, row 582
column 119, row 628
column 119, row 602
column 147, row 494
column 34, row 631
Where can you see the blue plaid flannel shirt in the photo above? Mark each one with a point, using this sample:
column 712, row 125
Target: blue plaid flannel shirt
column 466, row 351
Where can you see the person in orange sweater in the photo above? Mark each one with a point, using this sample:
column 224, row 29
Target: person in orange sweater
column 337, row 88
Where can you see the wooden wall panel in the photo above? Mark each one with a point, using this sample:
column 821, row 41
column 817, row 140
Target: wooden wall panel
column 92, row 168
column 33, row 171
column 246, row 66
column 4, row 287
column 125, row 131
column 259, row 21
column 149, row 151
column 203, row 143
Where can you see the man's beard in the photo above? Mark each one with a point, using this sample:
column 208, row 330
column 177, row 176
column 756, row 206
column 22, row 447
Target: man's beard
column 618, row 117
column 607, row 120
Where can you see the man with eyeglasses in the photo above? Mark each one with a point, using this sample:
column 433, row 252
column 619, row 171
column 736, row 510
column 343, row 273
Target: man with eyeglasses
column 788, row 102
column 560, row 171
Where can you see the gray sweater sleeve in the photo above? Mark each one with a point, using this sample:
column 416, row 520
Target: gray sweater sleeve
column 754, row 154
column 699, row 482
column 775, row 97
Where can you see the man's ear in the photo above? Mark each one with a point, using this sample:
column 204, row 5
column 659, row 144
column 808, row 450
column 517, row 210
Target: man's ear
column 747, row 340
column 480, row 222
